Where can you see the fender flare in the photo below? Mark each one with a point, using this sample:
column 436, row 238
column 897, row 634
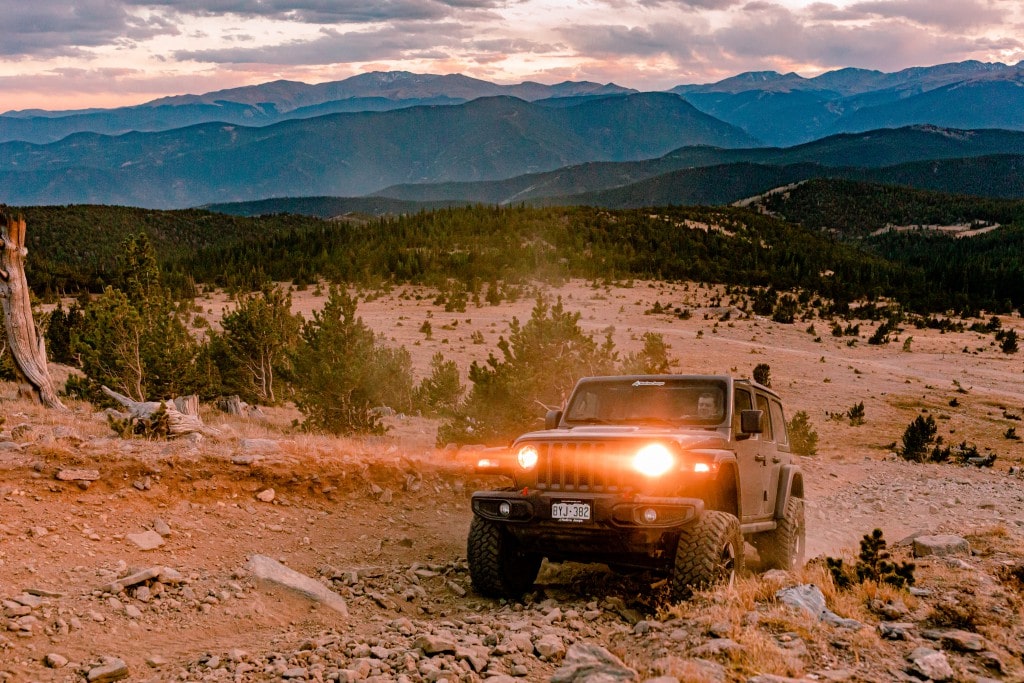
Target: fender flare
column 791, row 483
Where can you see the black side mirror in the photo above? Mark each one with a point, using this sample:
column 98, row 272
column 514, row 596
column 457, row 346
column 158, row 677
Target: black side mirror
column 552, row 419
column 752, row 421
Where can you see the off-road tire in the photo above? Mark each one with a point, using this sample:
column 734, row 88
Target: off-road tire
column 710, row 553
column 784, row 547
column 498, row 567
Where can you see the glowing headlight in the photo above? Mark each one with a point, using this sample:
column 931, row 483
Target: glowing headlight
column 527, row 457
column 653, row 460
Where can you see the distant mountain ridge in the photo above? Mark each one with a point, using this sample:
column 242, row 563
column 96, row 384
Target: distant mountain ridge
column 352, row 154
column 788, row 109
column 276, row 101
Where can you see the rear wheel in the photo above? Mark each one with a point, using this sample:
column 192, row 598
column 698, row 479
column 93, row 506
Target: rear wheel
column 498, row 567
column 710, row 553
column 784, row 548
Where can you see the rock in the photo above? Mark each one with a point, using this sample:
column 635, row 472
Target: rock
column 895, row 630
column 156, row 661
column 718, row 646
column 55, row 661
column 78, row 475
column 112, row 670
column 810, row 599
column 930, row 664
column 586, row 662
column 268, row 569
column 161, row 527
column 941, row 545
column 132, row 580
column 956, row 639
column 147, row 540
column 432, row 644
column 260, row 445
column 549, row 647
column 266, row 495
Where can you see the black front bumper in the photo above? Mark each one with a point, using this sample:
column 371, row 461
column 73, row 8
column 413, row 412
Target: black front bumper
column 620, row 529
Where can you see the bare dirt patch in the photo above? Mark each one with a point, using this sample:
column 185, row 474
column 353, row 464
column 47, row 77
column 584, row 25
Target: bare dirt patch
column 382, row 521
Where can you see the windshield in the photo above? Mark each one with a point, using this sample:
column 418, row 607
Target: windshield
column 653, row 401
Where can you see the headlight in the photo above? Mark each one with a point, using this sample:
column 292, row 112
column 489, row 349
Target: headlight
column 527, row 457
column 653, row 460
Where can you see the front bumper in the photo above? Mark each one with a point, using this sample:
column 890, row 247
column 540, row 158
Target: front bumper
column 628, row 530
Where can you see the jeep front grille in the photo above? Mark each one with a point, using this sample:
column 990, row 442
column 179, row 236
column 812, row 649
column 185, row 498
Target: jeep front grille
column 582, row 466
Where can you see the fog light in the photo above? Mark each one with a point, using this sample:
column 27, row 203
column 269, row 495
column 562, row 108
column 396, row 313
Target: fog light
column 504, row 509
column 650, row 515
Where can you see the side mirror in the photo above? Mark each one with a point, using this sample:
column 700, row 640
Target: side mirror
column 752, row 421
column 552, row 419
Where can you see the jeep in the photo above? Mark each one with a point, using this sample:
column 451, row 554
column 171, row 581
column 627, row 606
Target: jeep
column 666, row 473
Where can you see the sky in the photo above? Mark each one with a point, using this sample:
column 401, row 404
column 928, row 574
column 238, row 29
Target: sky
column 76, row 54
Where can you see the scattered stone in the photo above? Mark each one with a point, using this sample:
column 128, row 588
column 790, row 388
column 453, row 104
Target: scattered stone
column 112, row 669
column 156, row 661
column 930, row 664
column 161, row 527
column 147, row 540
column 55, row 661
column 260, row 445
column 589, row 662
column 78, row 475
column 941, row 545
column 956, row 639
column 434, row 644
column 810, row 599
column 266, row 495
column 268, row 569
column 549, row 647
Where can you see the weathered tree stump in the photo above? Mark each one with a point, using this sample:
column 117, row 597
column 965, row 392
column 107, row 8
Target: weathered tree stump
column 182, row 413
column 27, row 345
column 234, row 405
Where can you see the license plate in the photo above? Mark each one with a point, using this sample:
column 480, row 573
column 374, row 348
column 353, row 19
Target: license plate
column 570, row 511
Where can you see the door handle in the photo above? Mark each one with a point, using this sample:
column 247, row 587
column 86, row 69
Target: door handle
column 776, row 459
column 759, row 458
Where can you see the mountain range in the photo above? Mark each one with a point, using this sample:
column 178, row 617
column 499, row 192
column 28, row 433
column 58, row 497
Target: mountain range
column 451, row 138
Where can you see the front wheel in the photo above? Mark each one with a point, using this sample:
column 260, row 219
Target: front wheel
column 710, row 553
column 784, row 548
column 498, row 567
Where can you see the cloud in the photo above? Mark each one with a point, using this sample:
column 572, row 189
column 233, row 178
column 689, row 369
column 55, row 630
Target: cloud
column 333, row 47
column 49, row 29
column 950, row 16
column 322, row 11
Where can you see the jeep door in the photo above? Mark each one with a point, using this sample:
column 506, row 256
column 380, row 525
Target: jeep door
column 752, row 458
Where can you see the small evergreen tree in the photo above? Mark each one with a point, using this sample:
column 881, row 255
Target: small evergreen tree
column 652, row 359
column 803, row 438
column 440, row 392
column 258, row 335
column 763, row 374
column 540, row 363
column 918, row 436
column 342, row 373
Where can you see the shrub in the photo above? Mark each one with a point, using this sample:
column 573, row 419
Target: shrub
column 763, row 374
column 785, row 310
column 803, row 438
column 539, row 364
column 1008, row 341
column 873, row 564
column 342, row 373
column 440, row 392
column 652, row 359
column 918, row 436
column 856, row 414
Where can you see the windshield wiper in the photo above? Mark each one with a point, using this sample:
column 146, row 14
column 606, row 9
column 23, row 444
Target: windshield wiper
column 649, row 420
column 590, row 421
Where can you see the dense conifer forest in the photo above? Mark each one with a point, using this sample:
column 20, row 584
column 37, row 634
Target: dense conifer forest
column 75, row 247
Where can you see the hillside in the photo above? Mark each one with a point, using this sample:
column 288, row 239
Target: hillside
column 984, row 163
column 382, row 522
column 76, row 247
column 351, row 154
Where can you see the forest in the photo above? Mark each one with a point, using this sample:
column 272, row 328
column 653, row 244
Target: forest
column 816, row 238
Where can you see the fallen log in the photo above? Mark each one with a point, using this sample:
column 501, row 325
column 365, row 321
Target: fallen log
column 181, row 414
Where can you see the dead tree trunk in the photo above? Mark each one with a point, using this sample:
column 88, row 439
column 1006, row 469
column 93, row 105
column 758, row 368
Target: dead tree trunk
column 26, row 343
column 182, row 413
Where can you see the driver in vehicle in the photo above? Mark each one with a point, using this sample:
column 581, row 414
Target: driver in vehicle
column 707, row 406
